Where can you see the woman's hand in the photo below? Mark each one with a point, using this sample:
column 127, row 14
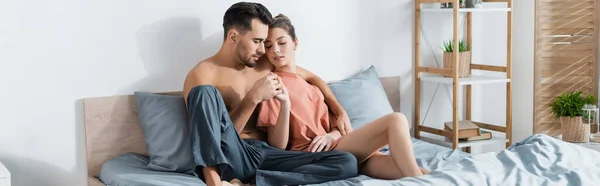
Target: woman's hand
column 322, row 143
column 284, row 96
column 278, row 135
column 343, row 123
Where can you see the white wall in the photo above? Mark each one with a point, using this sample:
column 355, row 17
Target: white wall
column 54, row 53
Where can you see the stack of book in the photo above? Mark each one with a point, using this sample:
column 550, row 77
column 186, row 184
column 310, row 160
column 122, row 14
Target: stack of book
column 468, row 131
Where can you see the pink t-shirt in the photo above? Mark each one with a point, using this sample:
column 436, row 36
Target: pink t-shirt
column 309, row 115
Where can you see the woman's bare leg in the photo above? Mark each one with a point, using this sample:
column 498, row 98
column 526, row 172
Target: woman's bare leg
column 379, row 166
column 365, row 142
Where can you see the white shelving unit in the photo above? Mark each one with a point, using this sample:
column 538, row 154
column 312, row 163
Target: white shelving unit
column 442, row 141
column 436, row 75
column 471, row 80
column 462, row 10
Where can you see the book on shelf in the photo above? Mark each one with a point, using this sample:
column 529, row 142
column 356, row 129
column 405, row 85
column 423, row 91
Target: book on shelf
column 466, row 129
column 485, row 135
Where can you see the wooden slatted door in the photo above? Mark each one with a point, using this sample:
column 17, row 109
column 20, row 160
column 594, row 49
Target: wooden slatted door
column 566, row 54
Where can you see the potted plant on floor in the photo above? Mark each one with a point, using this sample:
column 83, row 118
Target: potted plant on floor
column 464, row 59
column 568, row 107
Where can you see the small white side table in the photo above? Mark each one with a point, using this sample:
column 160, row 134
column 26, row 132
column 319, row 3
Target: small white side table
column 4, row 176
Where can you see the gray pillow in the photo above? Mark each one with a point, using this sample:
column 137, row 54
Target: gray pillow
column 363, row 97
column 164, row 121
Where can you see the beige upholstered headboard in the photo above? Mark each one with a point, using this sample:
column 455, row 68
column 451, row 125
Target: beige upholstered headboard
column 112, row 128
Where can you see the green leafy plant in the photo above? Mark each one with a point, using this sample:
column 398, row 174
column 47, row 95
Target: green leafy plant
column 570, row 104
column 462, row 46
column 460, row 2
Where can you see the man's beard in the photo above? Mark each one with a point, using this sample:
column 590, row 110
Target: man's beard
column 246, row 60
column 249, row 62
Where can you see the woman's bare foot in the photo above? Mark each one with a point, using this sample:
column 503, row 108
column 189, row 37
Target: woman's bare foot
column 424, row 171
column 225, row 183
column 236, row 182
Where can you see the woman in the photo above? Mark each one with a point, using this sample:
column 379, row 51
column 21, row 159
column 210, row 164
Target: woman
column 299, row 120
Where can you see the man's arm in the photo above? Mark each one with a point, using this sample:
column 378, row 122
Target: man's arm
column 263, row 89
column 342, row 120
column 241, row 113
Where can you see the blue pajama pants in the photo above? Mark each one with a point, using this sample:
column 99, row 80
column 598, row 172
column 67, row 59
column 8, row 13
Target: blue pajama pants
column 215, row 142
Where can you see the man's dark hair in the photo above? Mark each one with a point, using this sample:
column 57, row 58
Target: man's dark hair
column 240, row 16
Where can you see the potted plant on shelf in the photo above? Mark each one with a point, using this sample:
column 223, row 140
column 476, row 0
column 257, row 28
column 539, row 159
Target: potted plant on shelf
column 464, row 59
column 449, row 5
column 473, row 3
column 568, row 107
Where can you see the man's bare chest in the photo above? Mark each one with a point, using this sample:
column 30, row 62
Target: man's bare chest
column 234, row 89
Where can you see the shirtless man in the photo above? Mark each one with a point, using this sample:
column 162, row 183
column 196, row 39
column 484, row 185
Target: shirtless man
column 222, row 94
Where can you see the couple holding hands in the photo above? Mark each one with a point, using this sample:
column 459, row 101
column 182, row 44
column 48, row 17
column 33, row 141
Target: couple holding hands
column 257, row 117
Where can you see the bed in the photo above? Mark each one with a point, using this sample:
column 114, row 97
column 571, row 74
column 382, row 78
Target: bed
column 116, row 154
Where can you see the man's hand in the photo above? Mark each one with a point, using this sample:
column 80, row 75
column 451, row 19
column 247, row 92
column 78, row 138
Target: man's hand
column 321, row 143
column 343, row 123
column 266, row 88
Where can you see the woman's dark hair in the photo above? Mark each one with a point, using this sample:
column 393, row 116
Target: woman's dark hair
column 283, row 22
column 240, row 16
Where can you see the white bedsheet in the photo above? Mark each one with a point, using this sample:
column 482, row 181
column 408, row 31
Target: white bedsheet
column 538, row 160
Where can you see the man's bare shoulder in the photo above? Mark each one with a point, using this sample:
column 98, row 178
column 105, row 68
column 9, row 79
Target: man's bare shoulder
column 263, row 65
column 201, row 74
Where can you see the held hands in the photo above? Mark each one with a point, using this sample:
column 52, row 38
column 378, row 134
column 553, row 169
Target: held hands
column 267, row 87
column 284, row 97
column 321, row 143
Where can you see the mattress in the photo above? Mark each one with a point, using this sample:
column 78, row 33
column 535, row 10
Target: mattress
column 131, row 170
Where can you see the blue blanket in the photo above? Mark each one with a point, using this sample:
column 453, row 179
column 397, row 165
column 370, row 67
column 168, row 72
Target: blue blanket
column 536, row 160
